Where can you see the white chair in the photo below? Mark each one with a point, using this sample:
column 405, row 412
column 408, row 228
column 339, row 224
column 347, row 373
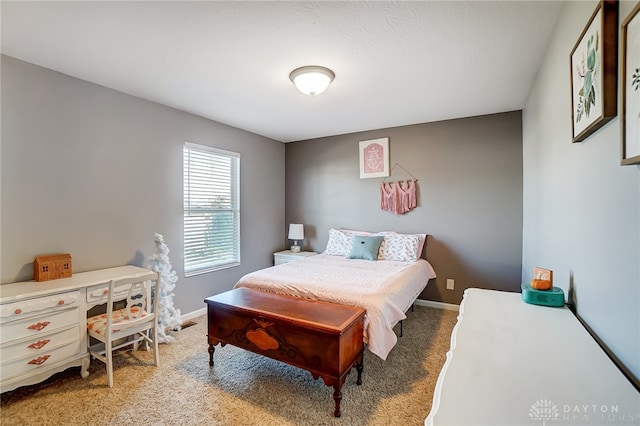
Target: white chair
column 136, row 322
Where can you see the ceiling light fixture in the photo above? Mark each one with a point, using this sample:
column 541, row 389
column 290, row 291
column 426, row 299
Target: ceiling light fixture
column 312, row 80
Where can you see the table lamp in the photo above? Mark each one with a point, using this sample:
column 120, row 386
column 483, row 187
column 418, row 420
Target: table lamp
column 296, row 233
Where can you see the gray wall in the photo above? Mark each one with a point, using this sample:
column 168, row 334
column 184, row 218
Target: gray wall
column 95, row 172
column 469, row 175
column 581, row 208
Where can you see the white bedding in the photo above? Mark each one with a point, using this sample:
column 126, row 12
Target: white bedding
column 512, row 363
column 385, row 289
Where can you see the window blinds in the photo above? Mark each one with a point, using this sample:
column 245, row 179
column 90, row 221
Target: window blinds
column 211, row 209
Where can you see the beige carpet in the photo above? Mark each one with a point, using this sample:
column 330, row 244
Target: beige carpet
column 242, row 388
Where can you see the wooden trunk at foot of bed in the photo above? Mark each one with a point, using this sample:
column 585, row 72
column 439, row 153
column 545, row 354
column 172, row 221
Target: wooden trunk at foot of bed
column 323, row 338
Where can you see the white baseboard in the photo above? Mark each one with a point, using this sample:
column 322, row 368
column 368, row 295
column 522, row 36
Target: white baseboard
column 438, row 305
column 194, row 314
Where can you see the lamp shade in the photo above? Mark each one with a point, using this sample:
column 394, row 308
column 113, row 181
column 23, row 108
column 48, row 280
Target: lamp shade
column 296, row 231
column 312, row 80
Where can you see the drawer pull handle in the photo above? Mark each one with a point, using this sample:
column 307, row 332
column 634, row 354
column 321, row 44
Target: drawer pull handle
column 40, row 360
column 17, row 311
column 39, row 345
column 106, row 291
column 61, row 302
column 38, row 326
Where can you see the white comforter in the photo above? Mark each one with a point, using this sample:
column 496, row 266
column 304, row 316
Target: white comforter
column 385, row 289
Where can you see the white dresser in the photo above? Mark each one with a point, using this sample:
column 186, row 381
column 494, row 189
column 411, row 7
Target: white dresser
column 43, row 324
column 512, row 363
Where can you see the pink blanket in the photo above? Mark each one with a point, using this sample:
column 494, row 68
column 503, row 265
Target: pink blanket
column 385, row 289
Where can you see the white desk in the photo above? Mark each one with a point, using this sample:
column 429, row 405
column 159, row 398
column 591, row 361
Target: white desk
column 43, row 324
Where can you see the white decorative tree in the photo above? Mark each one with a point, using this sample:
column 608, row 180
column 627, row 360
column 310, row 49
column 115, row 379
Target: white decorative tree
column 168, row 316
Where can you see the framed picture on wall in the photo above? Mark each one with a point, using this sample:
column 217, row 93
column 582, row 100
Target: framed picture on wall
column 631, row 88
column 374, row 158
column 594, row 69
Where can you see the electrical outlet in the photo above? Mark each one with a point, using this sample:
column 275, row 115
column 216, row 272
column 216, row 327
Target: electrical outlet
column 450, row 284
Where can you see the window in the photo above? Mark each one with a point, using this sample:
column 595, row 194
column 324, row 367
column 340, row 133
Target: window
column 211, row 209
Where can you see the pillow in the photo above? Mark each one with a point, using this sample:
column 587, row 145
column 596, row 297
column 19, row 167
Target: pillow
column 421, row 243
column 400, row 247
column 423, row 240
column 355, row 232
column 365, row 247
column 339, row 243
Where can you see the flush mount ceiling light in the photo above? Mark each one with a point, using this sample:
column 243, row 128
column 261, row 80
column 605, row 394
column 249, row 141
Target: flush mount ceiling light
column 312, row 80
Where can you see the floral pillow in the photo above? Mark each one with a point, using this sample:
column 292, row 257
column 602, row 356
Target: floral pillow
column 355, row 232
column 400, row 247
column 339, row 243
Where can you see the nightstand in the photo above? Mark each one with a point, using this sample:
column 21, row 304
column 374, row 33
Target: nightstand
column 289, row 256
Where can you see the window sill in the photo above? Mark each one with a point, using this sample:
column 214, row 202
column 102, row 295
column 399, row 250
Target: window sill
column 210, row 269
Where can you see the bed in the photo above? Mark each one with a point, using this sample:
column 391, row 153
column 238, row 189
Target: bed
column 512, row 363
column 385, row 287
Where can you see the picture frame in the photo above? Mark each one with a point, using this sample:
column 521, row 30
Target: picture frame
column 543, row 274
column 594, row 71
column 374, row 158
column 630, row 122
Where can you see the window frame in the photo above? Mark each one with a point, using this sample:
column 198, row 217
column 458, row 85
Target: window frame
column 189, row 209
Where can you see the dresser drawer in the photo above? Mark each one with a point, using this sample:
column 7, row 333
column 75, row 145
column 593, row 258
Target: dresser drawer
column 98, row 294
column 288, row 256
column 28, row 364
column 32, row 307
column 37, row 325
column 38, row 345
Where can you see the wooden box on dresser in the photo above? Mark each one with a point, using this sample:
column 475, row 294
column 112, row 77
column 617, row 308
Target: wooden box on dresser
column 43, row 325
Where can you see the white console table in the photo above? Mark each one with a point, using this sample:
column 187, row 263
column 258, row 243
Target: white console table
column 43, row 324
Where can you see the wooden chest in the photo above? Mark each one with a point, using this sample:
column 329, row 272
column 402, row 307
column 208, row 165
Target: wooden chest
column 323, row 338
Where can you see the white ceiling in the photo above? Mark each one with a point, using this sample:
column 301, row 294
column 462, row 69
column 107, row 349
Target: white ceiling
column 396, row 63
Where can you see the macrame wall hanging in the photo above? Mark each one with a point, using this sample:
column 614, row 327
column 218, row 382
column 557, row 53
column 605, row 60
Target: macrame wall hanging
column 398, row 197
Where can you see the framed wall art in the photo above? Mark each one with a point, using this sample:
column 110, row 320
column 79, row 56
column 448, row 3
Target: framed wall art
column 374, row 158
column 631, row 88
column 594, row 68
